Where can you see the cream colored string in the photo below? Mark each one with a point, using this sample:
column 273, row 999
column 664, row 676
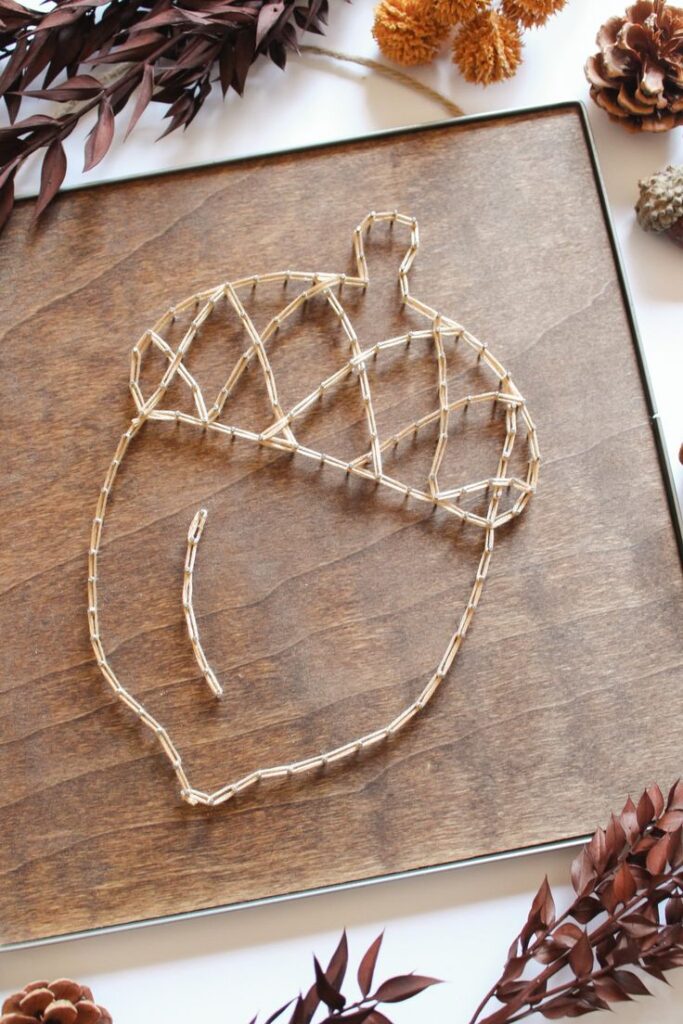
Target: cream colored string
column 279, row 435
column 391, row 73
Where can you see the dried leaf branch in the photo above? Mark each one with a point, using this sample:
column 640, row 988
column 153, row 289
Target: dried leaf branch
column 163, row 51
column 627, row 914
column 326, row 1002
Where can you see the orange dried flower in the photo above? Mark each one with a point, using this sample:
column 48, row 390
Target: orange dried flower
column 532, row 13
column 454, row 12
column 488, row 48
column 405, row 33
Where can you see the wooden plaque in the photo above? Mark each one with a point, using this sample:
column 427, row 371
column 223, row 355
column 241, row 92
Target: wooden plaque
column 324, row 604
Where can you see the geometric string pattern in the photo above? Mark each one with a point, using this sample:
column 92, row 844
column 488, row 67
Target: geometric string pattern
column 280, row 435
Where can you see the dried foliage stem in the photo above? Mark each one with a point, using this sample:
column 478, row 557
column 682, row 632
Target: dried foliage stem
column 63, row 127
column 326, row 996
column 171, row 53
column 629, row 881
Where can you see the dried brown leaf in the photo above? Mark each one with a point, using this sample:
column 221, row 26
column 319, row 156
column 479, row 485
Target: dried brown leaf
column 79, row 87
column 581, row 957
column 100, row 138
column 583, row 873
column 675, row 799
column 670, row 821
column 658, row 856
column 630, row 983
column 629, row 820
column 567, row 935
column 655, row 795
column 585, row 909
column 366, row 968
column 51, row 176
column 624, row 884
column 143, row 98
column 6, row 200
column 645, row 811
column 609, row 989
column 402, row 987
column 327, row 992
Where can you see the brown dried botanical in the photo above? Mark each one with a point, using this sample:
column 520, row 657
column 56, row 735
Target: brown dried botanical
column 169, row 53
column 637, row 75
column 627, row 917
column 326, row 1001
column 56, row 1002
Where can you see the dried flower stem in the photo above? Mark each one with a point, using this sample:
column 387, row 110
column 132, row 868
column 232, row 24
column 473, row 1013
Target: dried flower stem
column 326, row 993
column 172, row 54
column 625, row 875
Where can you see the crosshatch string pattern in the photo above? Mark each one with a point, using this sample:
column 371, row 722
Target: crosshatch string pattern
column 280, row 436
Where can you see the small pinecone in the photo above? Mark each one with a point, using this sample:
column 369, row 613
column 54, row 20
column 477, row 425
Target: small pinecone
column 488, row 48
column 405, row 33
column 532, row 13
column 57, row 1002
column 660, row 207
column 637, row 76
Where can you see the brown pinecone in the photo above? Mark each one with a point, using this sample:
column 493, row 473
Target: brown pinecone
column 637, row 76
column 660, row 206
column 56, row 1002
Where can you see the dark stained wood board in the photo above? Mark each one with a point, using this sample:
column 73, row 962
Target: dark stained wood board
column 324, row 605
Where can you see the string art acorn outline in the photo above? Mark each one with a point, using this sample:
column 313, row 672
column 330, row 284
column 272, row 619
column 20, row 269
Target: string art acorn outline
column 279, row 435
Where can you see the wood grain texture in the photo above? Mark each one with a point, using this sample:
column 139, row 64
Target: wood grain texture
column 323, row 605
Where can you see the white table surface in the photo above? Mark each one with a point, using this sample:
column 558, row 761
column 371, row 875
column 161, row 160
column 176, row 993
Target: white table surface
column 455, row 924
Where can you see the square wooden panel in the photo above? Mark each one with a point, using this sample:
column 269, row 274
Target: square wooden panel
column 324, row 605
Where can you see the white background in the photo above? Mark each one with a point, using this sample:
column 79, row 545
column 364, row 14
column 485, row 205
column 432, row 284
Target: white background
column 455, row 924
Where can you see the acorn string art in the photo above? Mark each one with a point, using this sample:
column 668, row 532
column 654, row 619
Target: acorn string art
column 502, row 496
column 485, row 35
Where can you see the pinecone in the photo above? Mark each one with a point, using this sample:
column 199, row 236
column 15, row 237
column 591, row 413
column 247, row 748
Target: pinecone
column 406, row 32
column 532, row 13
column 637, row 76
column 57, row 1002
column 660, row 207
column 488, row 48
